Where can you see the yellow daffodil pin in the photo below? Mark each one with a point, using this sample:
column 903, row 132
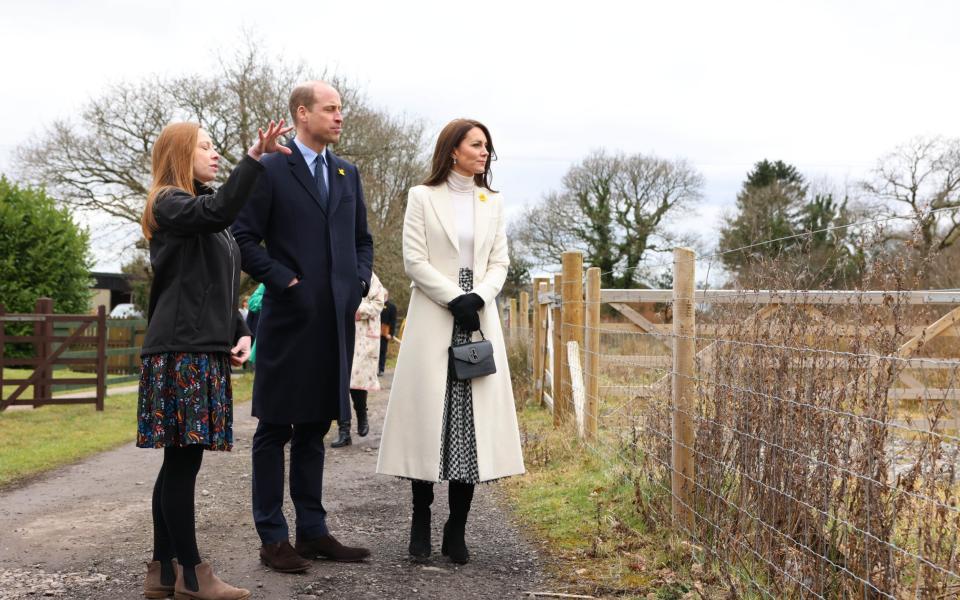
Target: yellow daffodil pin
column 483, row 197
column 341, row 171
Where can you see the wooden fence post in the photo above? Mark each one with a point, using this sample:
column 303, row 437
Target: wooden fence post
column 537, row 340
column 592, row 351
column 556, row 317
column 132, row 356
column 578, row 391
column 571, row 312
column 102, row 356
column 524, row 308
column 513, row 319
column 684, row 351
column 539, row 334
column 43, row 327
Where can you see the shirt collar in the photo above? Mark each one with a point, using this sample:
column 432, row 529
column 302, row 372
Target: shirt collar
column 309, row 155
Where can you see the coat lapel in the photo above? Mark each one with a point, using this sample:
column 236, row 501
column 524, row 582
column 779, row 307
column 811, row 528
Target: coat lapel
column 336, row 181
column 302, row 173
column 443, row 206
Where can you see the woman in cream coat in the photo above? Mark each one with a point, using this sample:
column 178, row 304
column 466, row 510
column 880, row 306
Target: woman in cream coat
column 437, row 428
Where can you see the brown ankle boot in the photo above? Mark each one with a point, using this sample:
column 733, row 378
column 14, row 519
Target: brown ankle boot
column 210, row 587
column 152, row 586
column 281, row 557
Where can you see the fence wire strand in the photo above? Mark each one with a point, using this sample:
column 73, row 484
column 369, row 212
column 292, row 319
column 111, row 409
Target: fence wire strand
column 821, row 417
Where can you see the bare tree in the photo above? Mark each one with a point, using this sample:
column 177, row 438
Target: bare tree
column 612, row 207
column 922, row 176
column 389, row 151
column 100, row 161
column 103, row 165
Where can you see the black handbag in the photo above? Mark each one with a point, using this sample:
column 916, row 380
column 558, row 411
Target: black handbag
column 472, row 359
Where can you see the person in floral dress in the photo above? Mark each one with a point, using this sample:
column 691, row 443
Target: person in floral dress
column 366, row 355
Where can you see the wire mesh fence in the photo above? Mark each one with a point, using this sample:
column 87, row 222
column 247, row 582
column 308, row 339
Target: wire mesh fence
column 809, row 451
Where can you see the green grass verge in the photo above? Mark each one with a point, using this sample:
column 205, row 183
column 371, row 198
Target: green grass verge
column 593, row 514
column 36, row 440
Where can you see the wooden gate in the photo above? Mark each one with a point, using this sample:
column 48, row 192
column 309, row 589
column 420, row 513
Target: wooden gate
column 48, row 348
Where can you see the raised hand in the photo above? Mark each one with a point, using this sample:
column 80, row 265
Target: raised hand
column 267, row 141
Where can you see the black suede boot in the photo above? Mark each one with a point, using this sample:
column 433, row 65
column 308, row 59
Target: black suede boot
column 360, row 406
column 454, row 531
column 344, row 438
column 420, row 525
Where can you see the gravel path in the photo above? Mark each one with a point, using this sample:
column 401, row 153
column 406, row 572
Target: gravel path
column 84, row 531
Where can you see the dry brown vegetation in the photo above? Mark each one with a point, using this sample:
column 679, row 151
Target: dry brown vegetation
column 815, row 477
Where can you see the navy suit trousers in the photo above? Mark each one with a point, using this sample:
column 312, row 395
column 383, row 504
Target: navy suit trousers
column 306, row 480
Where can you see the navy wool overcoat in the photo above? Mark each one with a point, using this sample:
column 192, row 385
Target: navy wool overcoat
column 306, row 332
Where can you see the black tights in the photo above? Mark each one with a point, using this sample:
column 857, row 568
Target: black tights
column 460, row 497
column 359, row 398
column 174, row 525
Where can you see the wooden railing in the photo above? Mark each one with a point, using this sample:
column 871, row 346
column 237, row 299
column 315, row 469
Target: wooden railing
column 778, row 426
column 49, row 351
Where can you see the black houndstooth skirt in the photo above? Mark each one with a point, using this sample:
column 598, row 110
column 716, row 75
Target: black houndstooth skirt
column 458, row 455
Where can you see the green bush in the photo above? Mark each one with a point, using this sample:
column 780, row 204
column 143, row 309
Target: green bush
column 43, row 253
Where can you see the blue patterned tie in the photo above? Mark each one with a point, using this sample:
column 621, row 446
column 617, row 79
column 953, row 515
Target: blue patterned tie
column 318, row 171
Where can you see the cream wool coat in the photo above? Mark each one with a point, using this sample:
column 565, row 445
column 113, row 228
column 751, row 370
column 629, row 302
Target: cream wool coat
column 410, row 446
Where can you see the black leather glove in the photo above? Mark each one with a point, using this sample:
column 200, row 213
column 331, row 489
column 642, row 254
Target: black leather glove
column 465, row 311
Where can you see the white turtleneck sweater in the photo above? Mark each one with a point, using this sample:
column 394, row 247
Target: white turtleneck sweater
column 461, row 195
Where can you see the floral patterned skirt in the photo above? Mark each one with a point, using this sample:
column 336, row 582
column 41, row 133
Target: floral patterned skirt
column 185, row 398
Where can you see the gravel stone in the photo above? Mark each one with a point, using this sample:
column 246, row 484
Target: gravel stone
column 84, row 531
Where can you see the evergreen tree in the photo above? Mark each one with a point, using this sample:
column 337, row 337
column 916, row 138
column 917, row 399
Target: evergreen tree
column 771, row 194
column 777, row 229
column 43, row 252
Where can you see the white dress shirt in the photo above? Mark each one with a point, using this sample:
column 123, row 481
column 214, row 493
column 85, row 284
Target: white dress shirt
column 310, row 156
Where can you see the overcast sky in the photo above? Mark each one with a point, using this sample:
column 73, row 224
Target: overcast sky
column 827, row 86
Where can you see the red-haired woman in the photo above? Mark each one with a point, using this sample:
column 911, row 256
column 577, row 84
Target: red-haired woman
column 194, row 334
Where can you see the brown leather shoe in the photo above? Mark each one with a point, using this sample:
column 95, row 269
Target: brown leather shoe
column 281, row 557
column 329, row 548
column 210, row 587
column 152, row 585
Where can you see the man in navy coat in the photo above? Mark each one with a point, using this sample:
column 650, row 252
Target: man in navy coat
column 316, row 261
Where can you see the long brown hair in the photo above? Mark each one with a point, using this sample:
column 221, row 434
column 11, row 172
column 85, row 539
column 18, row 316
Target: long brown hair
column 172, row 167
column 448, row 140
